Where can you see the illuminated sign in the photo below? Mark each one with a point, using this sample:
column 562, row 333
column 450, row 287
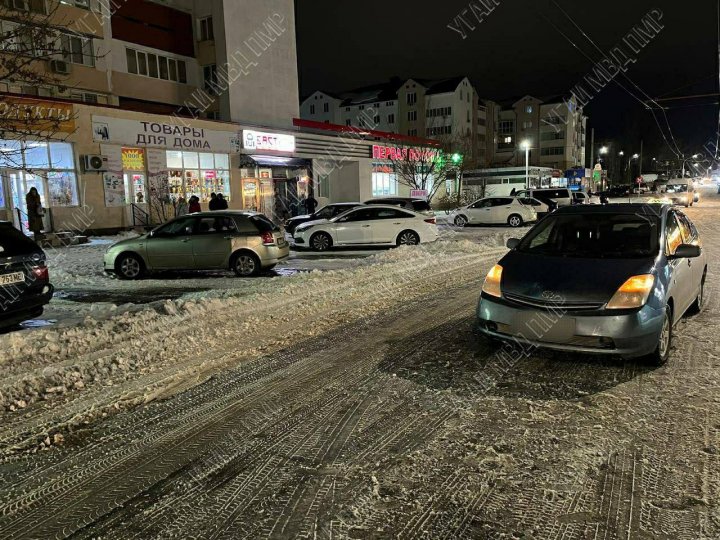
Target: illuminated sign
column 133, row 159
column 395, row 153
column 274, row 142
column 36, row 115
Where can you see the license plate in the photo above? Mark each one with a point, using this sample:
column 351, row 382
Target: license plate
column 9, row 279
column 545, row 326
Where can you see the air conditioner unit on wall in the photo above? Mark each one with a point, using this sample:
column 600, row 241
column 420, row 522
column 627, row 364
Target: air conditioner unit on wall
column 60, row 66
column 94, row 163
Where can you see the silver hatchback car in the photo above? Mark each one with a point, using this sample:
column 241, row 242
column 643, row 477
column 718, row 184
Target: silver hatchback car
column 611, row 279
column 245, row 242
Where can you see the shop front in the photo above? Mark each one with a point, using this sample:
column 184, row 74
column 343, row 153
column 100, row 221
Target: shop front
column 162, row 164
column 46, row 165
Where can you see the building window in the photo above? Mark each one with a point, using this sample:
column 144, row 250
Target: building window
column 507, row 140
column 348, row 122
column 17, row 38
column 412, row 132
column 53, row 170
column 376, row 119
column 312, row 109
column 506, row 126
column 412, row 116
column 384, row 180
column 199, row 174
column 210, row 79
column 389, row 103
column 527, row 125
column 556, row 151
column 35, row 6
column 529, row 109
column 391, row 118
column 85, row 4
column 156, row 66
column 77, row 49
column 206, row 29
column 326, row 107
column 412, row 98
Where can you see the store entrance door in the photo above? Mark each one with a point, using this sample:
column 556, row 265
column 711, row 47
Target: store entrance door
column 15, row 185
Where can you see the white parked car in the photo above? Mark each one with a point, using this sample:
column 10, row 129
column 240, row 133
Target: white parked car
column 494, row 211
column 368, row 226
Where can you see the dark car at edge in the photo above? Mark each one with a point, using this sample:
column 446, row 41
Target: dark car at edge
column 24, row 279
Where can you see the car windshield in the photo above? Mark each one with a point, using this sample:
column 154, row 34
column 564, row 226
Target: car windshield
column 595, row 236
column 677, row 188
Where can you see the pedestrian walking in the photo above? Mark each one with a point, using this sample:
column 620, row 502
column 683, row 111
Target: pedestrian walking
column 311, row 204
column 194, row 205
column 35, row 212
column 213, row 205
column 222, row 203
column 182, row 207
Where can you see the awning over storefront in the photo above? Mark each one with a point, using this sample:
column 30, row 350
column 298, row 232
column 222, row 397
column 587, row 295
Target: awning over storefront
column 272, row 161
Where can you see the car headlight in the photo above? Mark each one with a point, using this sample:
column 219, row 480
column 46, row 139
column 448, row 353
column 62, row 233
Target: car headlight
column 492, row 282
column 634, row 293
column 302, row 228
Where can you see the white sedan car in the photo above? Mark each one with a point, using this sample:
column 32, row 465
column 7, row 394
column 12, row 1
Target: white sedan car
column 495, row 211
column 368, row 226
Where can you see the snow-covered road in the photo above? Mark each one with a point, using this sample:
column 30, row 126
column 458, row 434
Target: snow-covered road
column 354, row 403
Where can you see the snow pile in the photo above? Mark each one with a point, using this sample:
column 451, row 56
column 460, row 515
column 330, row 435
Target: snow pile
column 137, row 356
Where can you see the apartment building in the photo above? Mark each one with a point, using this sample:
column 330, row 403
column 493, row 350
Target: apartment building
column 554, row 129
column 198, row 58
column 447, row 110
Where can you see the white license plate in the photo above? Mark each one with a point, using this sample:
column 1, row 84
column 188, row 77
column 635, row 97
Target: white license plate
column 9, row 279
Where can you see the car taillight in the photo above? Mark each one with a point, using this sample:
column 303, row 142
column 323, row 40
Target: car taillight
column 432, row 220
column 267, row 238
column 41, row 273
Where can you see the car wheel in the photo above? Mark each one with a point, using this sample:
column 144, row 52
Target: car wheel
column 129, row 266
column 461, row 221
column 408, row 238
column 515, row 221
column 699, row 303
column 321, row 241
column 661, row 354
column 246, row 264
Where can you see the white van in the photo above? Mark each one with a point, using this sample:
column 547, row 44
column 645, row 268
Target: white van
column 558, row 196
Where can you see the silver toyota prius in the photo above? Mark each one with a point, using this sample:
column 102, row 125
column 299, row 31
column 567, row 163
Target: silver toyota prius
column 611, row 279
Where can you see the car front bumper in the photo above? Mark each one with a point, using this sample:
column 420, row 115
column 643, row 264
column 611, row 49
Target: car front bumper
column 628, row 334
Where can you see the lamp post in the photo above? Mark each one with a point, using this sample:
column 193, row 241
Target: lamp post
column 695, row 156
column 526, row 146
column 603, row 151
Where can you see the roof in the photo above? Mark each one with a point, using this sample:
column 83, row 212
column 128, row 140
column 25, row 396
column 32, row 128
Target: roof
column 387, row 91
column 616, row 208
column 442, row 86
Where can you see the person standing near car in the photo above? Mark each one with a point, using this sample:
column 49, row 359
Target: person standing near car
column 222, row 204
column 194, row 206
column 35, row 212
column 311, row 204
column 213, row 205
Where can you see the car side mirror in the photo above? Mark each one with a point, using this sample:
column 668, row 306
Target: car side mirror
column 513, row 243
column 687, row 251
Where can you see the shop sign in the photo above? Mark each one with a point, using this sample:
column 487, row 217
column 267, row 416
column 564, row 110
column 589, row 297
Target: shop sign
column 273, row 142
column 419, row 193
column 265, row 173
column 133, row 159
column 396, row 153
column 34, row 115
column 174, row 136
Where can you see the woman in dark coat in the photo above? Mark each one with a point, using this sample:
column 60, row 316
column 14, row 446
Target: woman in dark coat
column 34, row 211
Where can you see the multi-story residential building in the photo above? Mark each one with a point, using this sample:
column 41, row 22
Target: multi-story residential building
column 553, row 128
column 448, row 110
column 168, row 57
column 136, row 89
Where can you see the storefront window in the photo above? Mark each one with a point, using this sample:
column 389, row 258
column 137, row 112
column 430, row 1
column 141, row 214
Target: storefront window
column 52, row 165
column 199, row 174
column 134, row 176
column 384, row 180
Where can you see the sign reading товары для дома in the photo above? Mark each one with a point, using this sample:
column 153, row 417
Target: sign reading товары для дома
column 171, row 136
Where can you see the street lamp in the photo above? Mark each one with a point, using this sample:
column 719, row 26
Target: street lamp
column 695, row 156
column 526, row 146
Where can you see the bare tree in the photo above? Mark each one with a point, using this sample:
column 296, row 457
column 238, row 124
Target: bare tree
column 32, row 36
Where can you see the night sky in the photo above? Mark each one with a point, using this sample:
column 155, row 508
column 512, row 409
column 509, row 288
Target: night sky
column 344, row 44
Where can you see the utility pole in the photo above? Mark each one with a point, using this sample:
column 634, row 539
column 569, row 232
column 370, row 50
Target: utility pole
column 592, row 148
column 641, row 156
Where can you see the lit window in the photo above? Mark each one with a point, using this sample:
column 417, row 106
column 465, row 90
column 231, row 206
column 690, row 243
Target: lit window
column 206, row 29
